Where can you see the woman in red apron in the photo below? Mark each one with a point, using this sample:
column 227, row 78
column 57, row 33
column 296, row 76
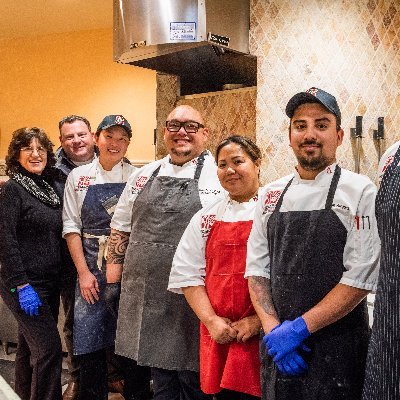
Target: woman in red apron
column 209, row 267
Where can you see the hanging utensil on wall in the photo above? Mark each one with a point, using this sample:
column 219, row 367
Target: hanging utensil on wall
column 356, row 135
column 379, row 135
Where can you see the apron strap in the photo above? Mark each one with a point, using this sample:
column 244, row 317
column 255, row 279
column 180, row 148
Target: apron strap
column 200, row 165
column 154, row 174
column 332, row 188
column 280, row 200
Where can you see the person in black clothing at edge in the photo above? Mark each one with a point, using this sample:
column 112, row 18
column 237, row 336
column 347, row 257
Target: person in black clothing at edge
column 31, row 262
column 77, row 148
column 312, row 257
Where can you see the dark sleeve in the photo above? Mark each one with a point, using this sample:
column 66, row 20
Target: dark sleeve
column 12, row 269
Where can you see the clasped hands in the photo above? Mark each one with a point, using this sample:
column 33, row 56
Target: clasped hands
column 223, row 330
column 283, row 343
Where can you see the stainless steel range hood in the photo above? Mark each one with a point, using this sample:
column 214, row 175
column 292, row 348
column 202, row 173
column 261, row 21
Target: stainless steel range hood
column 205, row 42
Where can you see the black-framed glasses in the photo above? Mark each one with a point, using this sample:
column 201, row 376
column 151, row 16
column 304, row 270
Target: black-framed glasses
column 188, row 126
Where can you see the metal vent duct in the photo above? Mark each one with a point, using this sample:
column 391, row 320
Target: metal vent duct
column 205, row 42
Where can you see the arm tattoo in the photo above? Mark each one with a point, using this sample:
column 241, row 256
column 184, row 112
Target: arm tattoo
column 261, row 288
column 117, row 244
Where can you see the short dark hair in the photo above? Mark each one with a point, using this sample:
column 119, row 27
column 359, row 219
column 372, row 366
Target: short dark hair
column 251, row 149
column 21, row 138
column 69, row 119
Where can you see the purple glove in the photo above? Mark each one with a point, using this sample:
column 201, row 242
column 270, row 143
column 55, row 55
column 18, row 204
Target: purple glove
column 29, row 300
column 286, row 338
column 292, row 364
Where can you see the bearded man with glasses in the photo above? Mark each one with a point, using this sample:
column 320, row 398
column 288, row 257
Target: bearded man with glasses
column 157, row 328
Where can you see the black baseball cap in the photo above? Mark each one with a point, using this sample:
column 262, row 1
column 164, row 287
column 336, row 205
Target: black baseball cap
column 314, row 95
column 115, row 120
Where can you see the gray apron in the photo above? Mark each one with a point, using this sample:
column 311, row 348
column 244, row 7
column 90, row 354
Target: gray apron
column 382, row 378
column 155, row 327
column 94, row 324
column 306, row 250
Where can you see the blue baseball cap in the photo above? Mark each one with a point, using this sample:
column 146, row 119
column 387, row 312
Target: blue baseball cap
column 115, row 120
column 314, row 95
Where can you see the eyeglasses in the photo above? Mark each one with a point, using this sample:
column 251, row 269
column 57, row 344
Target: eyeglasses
column 29, row 150
column 188, row 126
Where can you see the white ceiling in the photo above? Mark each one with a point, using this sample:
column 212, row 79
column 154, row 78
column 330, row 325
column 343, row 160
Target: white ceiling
column 23, row 18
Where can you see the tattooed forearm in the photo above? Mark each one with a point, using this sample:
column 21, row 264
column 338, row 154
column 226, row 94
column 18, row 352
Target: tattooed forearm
column 260, row 292
column 117, row 244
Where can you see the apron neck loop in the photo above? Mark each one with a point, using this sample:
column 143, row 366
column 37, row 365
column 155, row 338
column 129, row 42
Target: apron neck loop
column 332, row 188
column 331, row 193
column 279, row 204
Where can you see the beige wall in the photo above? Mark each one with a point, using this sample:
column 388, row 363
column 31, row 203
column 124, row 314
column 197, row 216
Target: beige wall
column 45, row 78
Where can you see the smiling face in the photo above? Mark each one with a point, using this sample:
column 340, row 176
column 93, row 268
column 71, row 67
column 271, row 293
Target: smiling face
column 33, row 157
column 183, row 146
column 113, row 143
column 77, row 141
column 314, row 138
column 237, row 172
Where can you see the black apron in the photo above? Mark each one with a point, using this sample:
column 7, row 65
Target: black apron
column 157, row 328
column 382, row 378
column 306, row 252
column 94, row 324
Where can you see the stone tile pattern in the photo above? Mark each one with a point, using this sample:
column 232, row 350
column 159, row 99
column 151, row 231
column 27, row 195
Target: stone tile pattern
column 225, row 113
column 349, row 48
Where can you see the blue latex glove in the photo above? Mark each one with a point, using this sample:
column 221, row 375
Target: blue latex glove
column 29, row 300
column 292, row 364
column 286, row 338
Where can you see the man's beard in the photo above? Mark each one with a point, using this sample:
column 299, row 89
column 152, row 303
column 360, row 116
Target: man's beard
column 181, row 153
column 312, row 163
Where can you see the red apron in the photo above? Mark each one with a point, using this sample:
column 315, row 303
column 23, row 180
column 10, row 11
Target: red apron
column 234, row 366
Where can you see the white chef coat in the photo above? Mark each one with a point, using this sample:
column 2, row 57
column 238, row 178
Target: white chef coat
column 354, row 204
column 189, row 264
column 387, row 159
column 209, row 186
column 78, row 182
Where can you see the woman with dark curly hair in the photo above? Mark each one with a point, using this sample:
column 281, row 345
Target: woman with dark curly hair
column 31, row 264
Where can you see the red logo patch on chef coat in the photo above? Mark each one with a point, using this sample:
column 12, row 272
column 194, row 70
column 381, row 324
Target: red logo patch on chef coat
column 140, row 182
column 270, row 200
column 207, row 221
column 83, row 183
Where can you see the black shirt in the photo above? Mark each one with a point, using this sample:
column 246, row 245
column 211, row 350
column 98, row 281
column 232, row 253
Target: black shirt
column 30, row 238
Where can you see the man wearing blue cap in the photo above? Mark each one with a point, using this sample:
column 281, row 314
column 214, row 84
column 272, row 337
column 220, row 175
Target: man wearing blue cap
column 312, row 258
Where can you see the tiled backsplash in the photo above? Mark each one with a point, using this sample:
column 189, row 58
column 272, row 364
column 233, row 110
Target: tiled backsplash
column 347, row 47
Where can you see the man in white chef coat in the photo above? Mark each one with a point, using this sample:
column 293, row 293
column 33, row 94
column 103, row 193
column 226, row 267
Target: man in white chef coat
column 157, row 328
column 312, row 258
